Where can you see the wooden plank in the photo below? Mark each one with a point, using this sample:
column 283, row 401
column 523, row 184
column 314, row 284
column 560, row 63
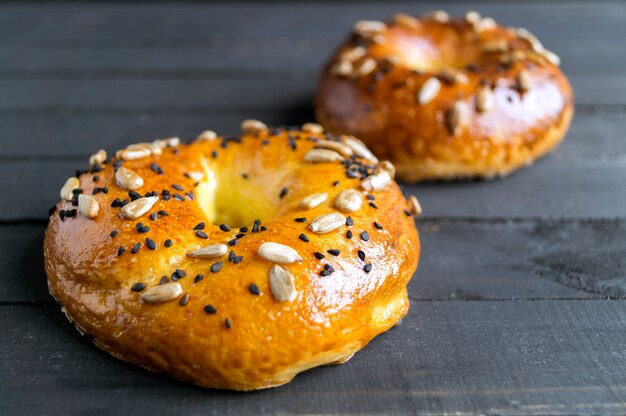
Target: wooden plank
column 460, row 260
column 591, row 136
column 508, row 357
column 602, row 20
column 593, row 189
column 197, row 96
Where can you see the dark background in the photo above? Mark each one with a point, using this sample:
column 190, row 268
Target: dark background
column 517, row 303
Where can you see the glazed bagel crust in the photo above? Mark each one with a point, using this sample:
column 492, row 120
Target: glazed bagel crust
column 496, row 99
column 227, row 329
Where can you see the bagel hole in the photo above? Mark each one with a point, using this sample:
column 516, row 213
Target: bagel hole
column 431, row 55
column 229, row 198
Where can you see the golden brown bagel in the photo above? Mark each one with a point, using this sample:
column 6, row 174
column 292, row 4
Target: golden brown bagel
column 241, row 313
column 446, row 99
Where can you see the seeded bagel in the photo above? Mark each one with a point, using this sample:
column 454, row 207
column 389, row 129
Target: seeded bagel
column 234, row 262
column 446, row 98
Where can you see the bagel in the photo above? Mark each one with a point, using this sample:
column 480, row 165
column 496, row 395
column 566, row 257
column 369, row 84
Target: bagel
column 446, row 98
column 234, row 262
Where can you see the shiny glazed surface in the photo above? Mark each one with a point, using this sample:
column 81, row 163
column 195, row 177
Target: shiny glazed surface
column 252, row 341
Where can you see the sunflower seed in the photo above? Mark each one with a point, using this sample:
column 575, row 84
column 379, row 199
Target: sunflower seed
column 138, row 207
column 163, row 143
column 414, row 205
column 457, row 117
column 127, row 179
column 278, row 253
column 313, row 128
column 70, row 184
column 322, row 155
column 209, row 252
column 524, row 81
column 134, row 154
column 336, row 146
column 484, row 99
column 88, row 206
column 313, row 200
column 359, row 148
column 486, row 23
column 365, row 67
column 472, row 17
column 353, row 54
column 495, row 45
column 534, row 42
column 453, row 76
column 98, row 158
column 406, row 21
column 377, row 182
column 162, row 293
column 207, row 135
column 327, row 223
column 253, row 126
column 551, row 56
column 512, row 57
column 342, row 68
column 438, row 16
column 369, row 28
column 282, row 284
column 428, row 91
column 349, row 200
column 388, row 167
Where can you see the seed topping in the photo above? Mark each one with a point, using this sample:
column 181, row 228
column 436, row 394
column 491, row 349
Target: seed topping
column 127, row 179
column 162, row 293
column 278, row 253
column 88, row 206
column 327, row 223
column 68, row 188
column 313, row 200
column 349, row 200
column 209, row 252
column 282, row 284
column 428, row 91
column 138, row 207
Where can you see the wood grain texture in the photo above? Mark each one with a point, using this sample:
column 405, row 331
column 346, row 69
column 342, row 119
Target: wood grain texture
column 446, row 357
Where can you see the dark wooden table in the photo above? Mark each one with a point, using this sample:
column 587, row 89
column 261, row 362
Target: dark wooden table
column 517, row 303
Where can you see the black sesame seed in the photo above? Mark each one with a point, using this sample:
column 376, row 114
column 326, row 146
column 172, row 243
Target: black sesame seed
column 231, row 255
column 116, row 203
column 254, row 289
column 124, row 202
column 373, row 205
column 178, row 197
column 361, row 254
column 198, row 278
column 216, row 267
column 377, row 225
column 263, row 227
column 300, row 219
column 199, row 226
column 244, row 175
column 114, row 233
column 334, row 252
column 304, row 238
column 365, row 236
column 239, row 235
column 135, row 248
column 178, row 274
column 227, row 323
column 151, row 244
column 96, row 190
column 210, row 309
column 163, row 213
column 52, row 210
column 96, row 178
column 133, row 195
column 153, row 216
column 349, row 222
column 325, row 273
column 183, row 301
column 214, row 154
column 105, row 190
column 371, row 197
column 367, row 268
column 121, row 250
column 163, row 280
column 177, row 187
column 202, row 234
column 237, row 259
column 141, row 228
column 335, row 183
column 168, row 243
column 407, row 213
column 77, row 191
column 190, row 195
column 233, row 242
column 318, row 255
column 224, row 227
column 138, row 287
column 243, row 229
column 283, row 192
column 349, row 234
